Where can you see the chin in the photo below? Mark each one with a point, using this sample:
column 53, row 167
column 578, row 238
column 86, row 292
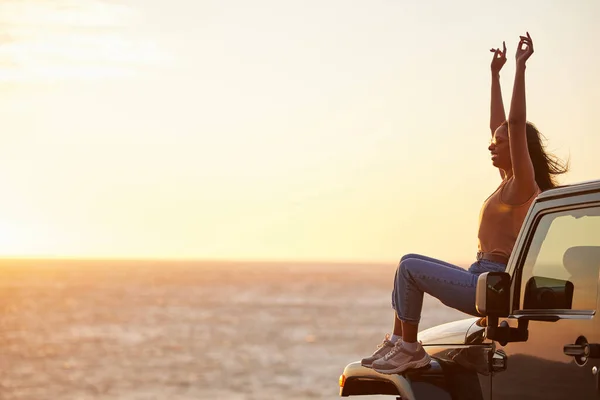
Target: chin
column 499, row 164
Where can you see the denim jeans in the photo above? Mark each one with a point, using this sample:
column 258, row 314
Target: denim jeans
column 452, row 285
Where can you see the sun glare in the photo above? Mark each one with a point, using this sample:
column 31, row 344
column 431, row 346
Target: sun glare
column 67, row 40
column 13, row 242
column 270, row 129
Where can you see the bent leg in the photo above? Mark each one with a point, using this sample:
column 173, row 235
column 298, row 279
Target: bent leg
column 452, row 285
column 416, row 257
column 430, row 259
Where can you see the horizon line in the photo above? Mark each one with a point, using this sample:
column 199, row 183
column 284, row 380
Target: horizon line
column 186, row 259
column 200, row 259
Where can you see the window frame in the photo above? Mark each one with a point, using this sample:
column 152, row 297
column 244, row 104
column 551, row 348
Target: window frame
column 517, row 276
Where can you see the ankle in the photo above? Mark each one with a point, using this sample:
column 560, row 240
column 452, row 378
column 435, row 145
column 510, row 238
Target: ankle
column 410, row 346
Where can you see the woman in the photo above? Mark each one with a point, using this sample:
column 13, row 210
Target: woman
column 526, row 170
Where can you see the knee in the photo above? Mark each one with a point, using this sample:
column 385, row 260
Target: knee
column 407, row 264
column 409, row 255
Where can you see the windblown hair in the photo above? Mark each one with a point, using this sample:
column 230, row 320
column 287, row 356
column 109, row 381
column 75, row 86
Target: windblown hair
column 547, row 166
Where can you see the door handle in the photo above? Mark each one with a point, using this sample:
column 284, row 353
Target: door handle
column 587, row 350
column 576, row 350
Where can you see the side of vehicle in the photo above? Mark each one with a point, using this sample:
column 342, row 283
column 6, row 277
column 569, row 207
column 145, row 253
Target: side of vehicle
column 540, row 337
column 551, row 333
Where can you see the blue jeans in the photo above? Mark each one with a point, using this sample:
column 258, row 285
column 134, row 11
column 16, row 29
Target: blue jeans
column 452, row 285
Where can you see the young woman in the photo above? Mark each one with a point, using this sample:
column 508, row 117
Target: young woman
column 526, row 170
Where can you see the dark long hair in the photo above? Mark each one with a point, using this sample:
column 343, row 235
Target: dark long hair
column 546, row 165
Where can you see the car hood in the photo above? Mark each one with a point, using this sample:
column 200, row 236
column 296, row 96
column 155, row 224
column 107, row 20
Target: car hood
column 464, row 331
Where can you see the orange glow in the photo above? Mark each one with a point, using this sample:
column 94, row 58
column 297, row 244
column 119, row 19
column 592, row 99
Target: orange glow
column 147, row 130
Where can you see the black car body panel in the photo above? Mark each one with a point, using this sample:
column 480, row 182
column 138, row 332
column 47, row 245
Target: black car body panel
column 554, row 279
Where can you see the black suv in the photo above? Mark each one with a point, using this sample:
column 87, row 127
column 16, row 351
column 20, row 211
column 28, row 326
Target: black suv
column 539, row 335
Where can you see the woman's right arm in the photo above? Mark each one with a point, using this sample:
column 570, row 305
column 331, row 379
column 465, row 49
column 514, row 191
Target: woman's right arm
column 497, row 114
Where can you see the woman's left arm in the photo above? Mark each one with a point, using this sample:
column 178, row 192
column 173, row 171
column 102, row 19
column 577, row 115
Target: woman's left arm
column 522, row 166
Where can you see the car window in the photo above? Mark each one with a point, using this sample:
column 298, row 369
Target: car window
column 563, row 262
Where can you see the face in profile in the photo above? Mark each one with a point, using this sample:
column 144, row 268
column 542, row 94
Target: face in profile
column 500, row 149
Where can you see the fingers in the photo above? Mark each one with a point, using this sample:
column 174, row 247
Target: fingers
column 525, row 43
column 527, row 39
column 499, row 53
column 525, row 48
column 523, row 40
column 495, row 51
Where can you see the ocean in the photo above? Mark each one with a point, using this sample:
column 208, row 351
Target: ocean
column 141, row 330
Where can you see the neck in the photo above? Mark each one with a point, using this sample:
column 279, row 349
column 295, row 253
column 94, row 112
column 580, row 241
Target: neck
column 508, row 173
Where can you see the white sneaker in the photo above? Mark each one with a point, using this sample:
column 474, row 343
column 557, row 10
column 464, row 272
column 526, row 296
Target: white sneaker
column 399, row 359
column 385, row 347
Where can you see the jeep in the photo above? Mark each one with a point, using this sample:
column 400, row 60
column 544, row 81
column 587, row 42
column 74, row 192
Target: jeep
column 538, row 336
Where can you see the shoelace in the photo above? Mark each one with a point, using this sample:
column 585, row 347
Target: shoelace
column 394, row 350
column 385, row 341
column 397, row 347
column 382, row 345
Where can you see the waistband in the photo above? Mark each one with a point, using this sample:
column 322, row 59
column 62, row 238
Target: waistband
column 498, row 258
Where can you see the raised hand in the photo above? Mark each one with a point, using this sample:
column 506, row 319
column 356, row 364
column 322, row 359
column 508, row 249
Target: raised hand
column 524, row 50
column 499, row 58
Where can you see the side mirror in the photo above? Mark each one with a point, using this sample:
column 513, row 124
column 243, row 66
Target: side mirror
column 493, row 301
column 493, row 294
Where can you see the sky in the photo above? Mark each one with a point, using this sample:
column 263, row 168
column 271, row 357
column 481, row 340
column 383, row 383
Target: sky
column 330, row 130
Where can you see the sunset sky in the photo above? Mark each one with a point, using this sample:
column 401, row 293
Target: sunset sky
column 288, row 130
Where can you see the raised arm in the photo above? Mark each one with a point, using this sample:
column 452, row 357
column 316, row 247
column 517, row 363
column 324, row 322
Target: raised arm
column 524, row 183
column 497, row 115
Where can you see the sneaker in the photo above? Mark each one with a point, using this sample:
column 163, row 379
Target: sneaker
column 399, row 359
column 385, row 347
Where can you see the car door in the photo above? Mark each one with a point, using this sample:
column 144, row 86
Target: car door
column 556, row 292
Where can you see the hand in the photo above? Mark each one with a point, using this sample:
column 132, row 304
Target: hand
column 499, row 58
column 524, row 50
